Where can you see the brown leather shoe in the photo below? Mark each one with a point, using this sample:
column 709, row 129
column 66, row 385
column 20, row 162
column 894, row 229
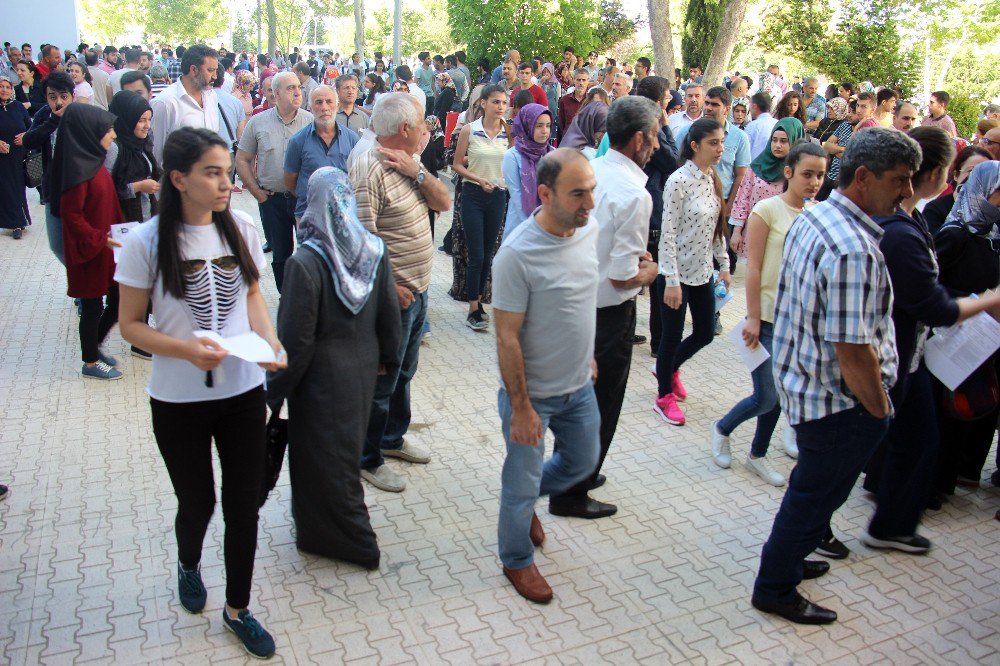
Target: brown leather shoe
column 529, row 583
column 536, row 532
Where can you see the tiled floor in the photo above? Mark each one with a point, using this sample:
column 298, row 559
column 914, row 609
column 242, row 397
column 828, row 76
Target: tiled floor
column 87, row 550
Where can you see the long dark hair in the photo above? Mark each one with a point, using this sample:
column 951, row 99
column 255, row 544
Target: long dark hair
column 494, row 89
column 183, row 148
column 700, row 129
column 785, row 104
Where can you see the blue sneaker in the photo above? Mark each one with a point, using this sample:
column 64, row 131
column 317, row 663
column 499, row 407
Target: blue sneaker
column 190, row 589
column 256, row 641
column 110, row 360
column 101, row 370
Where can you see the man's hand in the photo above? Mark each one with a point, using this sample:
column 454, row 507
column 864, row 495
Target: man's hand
column 19, row 139
column 525, row 426
column 401, row 161
column 672, row 297
column 259, row 193
column 4, row 147
column 112, row 243
column 405, row 297
column 593, row 370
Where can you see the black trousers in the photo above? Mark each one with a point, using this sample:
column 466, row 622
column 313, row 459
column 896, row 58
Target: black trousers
column 96, row 321
column 184, row 434
column 277, row 215
column 613, row 353
column 673, row 351
column 655, row 318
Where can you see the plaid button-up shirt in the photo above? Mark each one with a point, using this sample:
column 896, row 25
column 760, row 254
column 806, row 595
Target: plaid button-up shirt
column 834, row 287
column 173, row 68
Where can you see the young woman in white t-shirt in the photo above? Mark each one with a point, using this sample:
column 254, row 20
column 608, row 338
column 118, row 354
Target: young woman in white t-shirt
column 767, row 226
column 199, row 262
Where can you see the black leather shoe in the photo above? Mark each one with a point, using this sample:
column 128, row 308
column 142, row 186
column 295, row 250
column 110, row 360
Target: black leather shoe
column 598, row 482
column 582, row 508
column 801, row 611
column 638, row 339
column 814, row 569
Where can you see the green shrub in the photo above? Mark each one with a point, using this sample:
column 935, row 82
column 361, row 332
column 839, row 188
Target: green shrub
column 965, row 111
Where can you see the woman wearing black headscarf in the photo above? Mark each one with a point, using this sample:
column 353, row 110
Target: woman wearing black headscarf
column 84, row 198
column 130, row 160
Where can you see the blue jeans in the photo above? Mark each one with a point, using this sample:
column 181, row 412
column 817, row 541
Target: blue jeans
column 832, row 452
column 390, row 417
column 576, row 422
column 277, row 215
column 482, row 220
column 53, row 229
column 763, row 403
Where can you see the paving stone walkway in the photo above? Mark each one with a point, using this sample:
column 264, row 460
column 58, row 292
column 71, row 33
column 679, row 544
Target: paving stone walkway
column 87, row 551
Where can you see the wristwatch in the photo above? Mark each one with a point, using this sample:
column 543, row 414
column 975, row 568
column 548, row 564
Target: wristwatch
column 421, row 175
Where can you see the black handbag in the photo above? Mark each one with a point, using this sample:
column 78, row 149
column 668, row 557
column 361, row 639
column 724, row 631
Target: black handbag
column 274, row 454
column 33, row 169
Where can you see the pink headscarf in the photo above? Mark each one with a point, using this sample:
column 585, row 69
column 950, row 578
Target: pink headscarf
column 530, row 151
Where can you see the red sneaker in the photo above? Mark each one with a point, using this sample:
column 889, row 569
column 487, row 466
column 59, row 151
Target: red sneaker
column 668, row 410
column 678, row 387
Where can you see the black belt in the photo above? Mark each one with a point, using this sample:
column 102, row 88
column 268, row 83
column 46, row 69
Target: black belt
column 286, row 195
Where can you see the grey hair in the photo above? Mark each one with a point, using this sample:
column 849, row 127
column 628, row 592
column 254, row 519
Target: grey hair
column 158, row 72
column 630, row 114
column 278, row 78
column 344, row 78
column 878, row 149
column 991, row 108
column 810, row 78
column 392, row 110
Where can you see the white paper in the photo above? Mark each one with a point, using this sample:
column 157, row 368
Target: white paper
column 720, row 302
column 751, row 357
column 956, row 351
column 119, row 232
column 248, row 346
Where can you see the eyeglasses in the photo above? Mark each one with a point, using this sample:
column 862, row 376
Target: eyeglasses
column 986, row 141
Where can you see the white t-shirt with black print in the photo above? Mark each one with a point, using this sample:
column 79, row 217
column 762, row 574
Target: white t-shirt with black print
column 215, row 300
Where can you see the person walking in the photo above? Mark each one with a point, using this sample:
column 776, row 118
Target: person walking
column 532, row 128
column 484, row 142
column 198, row 263
column 14, row 121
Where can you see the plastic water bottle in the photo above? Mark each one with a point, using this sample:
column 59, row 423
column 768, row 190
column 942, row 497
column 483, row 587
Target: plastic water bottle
column 720, row 287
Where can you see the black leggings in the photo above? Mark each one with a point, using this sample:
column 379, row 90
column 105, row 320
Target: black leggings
column 96, row 321
column 673, row 352
column 184, row 433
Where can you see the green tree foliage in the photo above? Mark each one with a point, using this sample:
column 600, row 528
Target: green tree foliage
column 103, row 21
column 423, row 30
column 185, row 21
column 492, row 28
column 701, row 25
column 614, row 26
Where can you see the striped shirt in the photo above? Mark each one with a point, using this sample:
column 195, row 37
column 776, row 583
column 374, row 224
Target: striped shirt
column 834, row 287
column 486, row 154
column 392, row 206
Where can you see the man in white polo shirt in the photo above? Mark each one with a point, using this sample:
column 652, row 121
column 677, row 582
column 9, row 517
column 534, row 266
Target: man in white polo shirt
column 190, row 101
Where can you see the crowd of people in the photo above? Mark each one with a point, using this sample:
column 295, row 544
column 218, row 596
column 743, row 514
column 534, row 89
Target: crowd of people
column 576, row 189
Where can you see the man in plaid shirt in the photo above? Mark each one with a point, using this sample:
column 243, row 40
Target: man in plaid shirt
column 834, row 358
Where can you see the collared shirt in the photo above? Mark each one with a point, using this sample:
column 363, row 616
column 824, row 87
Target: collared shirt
column 943, row 121
column 567, row 109
column 816, row 110
column 679, row 121
column 306, row 151
column 736, row 154
column 759, row 133
column 687, row 235
column 266, row 136
column 173, row 69
column 621, row 208
column 357, row 121
column 175, row 108
column 106, row 67
column 834, row 287
column 392, row 206
column 307, row 89
column 424, row 77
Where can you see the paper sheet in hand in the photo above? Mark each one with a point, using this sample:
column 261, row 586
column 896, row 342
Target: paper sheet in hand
column 120, row 232
column 248, row 346
column 751, row 357
column 956, row 351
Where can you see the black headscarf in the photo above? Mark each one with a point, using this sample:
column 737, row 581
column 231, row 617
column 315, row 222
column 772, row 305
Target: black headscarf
column 130, row 167
column 78, row 155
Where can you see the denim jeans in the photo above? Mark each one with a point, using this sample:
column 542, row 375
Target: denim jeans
column 390, row 417
column 277, row 215
column 673, row 352
column 53, row 229
column 482, row 219
column 832, row 452
column 575, row 422
column 763, row 403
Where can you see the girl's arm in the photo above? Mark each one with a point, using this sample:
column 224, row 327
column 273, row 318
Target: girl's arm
column 757, row 231
column 459, row 163
column 260, row 323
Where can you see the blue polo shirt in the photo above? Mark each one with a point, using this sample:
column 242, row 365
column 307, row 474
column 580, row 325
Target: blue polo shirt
column 307, row 152
column 736, row 153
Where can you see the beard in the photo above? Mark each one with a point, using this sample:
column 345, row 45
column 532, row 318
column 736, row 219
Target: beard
column 202, row 82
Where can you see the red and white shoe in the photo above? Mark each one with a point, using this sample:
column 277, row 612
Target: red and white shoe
column 668, row 410
column 678, row 387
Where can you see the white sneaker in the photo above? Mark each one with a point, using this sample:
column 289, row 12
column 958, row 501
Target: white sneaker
column 788, row 444
column 720, row 447
column 762, row 467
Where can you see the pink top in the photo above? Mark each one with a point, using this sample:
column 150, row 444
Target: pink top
column 752, row 189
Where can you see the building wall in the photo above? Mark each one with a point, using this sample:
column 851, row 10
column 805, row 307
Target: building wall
column 52, row 22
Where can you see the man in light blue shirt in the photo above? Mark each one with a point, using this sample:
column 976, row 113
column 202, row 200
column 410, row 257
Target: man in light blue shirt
column 736, row 157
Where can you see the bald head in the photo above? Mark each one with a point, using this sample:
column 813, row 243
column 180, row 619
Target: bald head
column 905, row 117
column 566, row 186
column 991, row 142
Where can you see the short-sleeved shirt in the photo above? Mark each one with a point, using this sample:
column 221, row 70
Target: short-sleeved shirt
column 485, row 153
column 306, row 152
column 266, row 136
column 553, row 281
column 778, row 216
column 735, row 155
column 357, row 121
column 392, row 206
column 215, row 300
column 833, row 287
column 816, row 109
column 944, row 121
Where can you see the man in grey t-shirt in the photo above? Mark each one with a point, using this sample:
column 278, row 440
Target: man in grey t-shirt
column 545, row 278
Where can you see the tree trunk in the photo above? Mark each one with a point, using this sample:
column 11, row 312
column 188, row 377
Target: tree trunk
column 952, row 52
column 359, row 27
column 272, row 29
column 725, row 43
column 663, row 39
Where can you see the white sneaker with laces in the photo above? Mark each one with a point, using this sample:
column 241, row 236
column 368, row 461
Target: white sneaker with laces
column 788, row 444
column 762, row 467
column 720, row 448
